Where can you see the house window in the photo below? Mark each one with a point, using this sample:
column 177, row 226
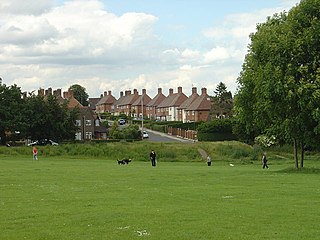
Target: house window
column 192, row 113
column 97, row 123
column 78, row 123
column 78, row 136
column 88, row 135
column 88, row 122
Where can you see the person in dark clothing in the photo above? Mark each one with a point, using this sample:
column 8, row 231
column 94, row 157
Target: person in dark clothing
column 153, row 158
column 264, row 161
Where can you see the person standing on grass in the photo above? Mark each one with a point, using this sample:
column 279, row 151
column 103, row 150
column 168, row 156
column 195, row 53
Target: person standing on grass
column 264, row 161
column 153, row 156
column 35, row 153
column 209, row 160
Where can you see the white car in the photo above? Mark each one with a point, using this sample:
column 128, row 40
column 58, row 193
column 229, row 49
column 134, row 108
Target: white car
column 145, row 134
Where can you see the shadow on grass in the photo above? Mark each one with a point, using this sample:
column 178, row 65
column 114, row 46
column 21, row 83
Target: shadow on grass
column 300, row 170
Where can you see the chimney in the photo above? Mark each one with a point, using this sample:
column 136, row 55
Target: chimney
column 179, row 89
column 144, row 91
column 109, row 93
column 194, row 90
column 128, row 92
column 121, row 94
column 135, row 91
column 49, row 91
column 105, row 93
column 170, row 91
column 58, row 92
column 204, row 91
column 159, row 90
column 41, row 92
column 65, row 95
column 70, row 93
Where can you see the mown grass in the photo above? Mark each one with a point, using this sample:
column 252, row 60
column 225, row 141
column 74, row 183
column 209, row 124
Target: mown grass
column 80, row 192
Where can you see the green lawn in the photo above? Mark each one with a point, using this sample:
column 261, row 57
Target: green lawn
column 70, row 198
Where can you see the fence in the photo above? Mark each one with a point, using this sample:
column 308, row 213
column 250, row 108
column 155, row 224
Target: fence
column 186, row 134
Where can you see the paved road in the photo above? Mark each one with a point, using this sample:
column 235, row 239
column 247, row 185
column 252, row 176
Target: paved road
column 163, row 137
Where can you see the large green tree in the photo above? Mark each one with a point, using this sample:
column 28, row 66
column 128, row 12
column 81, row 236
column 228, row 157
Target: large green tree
column 279, row 86
column 80, row 94
column 46, row 118
column 11, row 104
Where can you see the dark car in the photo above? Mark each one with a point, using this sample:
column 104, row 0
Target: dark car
column 43, row 142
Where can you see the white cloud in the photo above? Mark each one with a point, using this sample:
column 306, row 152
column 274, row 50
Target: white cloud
column 80, row 42
column 25, row 6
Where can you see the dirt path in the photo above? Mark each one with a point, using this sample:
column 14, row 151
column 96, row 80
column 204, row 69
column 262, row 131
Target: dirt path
column 203, row 153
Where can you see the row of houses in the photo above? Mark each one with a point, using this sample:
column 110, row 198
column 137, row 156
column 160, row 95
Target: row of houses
column 173, row 107
column 176, row 106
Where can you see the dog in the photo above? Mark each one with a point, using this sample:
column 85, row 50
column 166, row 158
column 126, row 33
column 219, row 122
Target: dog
column 124, row 161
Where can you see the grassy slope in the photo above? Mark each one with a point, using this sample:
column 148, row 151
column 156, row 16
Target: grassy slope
column 71, row 197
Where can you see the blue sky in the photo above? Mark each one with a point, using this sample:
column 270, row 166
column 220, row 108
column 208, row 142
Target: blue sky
column 121, row 45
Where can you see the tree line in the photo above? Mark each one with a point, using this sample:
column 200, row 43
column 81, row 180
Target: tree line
column 34, row 116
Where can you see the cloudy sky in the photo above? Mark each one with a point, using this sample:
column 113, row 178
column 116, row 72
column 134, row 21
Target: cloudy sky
column 121, row 45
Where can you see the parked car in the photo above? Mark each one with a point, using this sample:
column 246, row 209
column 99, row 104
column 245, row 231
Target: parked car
column 43, row 142
column 122, row 121
column 145, row 134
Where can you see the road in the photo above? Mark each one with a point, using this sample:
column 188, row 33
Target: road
column 162, row 137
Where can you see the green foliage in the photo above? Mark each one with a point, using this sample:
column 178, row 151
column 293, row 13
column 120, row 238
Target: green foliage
column 80, row 94
column 279, row 84
column 216, row 130
column 128, row 132
column 11, row 115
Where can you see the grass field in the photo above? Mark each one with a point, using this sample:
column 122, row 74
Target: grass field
column 88, row 198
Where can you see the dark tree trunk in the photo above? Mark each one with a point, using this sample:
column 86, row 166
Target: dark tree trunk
column 302, row 155
column 295, row 153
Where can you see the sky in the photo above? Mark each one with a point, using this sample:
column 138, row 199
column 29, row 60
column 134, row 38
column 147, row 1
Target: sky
column 123, row 45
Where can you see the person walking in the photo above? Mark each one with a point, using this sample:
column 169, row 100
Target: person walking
column 153, row 156
column 35, row 153
column 264, row 161
column 209, row 160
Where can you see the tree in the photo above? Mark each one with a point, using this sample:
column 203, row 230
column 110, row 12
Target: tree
column 221, row 92
column 11, row 106
column 80, row 94
column 46, row 118
column 279, row 85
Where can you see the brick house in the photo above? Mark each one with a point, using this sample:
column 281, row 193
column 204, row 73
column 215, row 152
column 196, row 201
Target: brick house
column 199, row 110
column 105, row 103
column 124, row 103
column 182, row 108
column 167, row 110
column 140, row 105
column 151, row 107
column 88, row 123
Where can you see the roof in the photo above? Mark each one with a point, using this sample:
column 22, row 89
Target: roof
column 72, row 103
column 203, row 102
column 93, row 102
column 189, row 101
column 173, row 100
column 156, row 100
column 146, row 99
column 108, row 99
column 126, row 100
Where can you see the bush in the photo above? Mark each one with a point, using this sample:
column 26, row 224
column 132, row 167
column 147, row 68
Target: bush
column 216, row 130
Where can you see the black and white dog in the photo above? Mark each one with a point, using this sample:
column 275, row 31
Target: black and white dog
column 124, row 161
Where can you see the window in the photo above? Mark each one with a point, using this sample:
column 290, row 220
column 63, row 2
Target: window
column 97, row 123
column 78, row 123
column 88, row 135
column 88, row 122
column 78, row 136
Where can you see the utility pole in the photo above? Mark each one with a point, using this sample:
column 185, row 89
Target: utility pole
column 142, row 111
